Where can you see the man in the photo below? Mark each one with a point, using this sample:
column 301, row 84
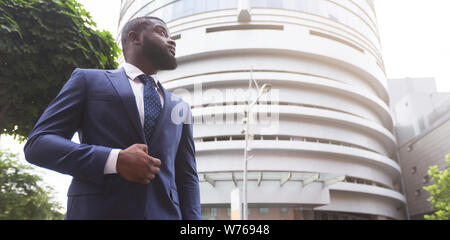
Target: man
column 135, row 160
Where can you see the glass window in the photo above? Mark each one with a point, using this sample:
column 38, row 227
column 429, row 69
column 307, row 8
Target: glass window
column 227, row 4
column 417, row 193
column 188, row 7
column 213, row 212
column 301, row 6
column 167, row 13
column 200, row 6
column 325, row 9
column 312, row 6
column 259, row 3
column 212, row 5
column 177, row 9
column 182, row 8
column 263, row 210
column 289, row 4
column 276, row 3
column 204, row 213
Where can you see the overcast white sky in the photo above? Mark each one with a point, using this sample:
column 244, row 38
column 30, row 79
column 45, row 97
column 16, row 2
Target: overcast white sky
column 415, row 36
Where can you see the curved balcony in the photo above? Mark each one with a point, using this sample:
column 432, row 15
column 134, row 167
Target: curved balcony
column 317, row 190
column 295, row 88
column 299, row 156
column 316, row 122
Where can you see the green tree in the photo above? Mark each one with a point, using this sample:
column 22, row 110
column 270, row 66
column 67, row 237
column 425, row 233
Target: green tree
column 41, row 43
column 440, row 192
column 22, row 196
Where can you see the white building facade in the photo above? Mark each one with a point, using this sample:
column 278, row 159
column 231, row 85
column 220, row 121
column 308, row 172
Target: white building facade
column 328, row 151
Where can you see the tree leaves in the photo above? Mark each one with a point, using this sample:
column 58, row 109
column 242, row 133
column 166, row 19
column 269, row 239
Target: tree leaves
column 41, row 43
column 22, row 196
column 439, row 192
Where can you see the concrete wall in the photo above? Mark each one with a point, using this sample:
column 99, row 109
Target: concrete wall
column 416, row 158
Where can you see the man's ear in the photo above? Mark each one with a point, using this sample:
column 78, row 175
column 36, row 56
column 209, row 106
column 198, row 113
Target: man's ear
column 134, row 38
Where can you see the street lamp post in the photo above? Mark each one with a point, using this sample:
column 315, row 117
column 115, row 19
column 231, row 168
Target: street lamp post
column 247, row 116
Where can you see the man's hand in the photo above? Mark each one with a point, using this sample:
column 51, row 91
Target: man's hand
column 135, row 165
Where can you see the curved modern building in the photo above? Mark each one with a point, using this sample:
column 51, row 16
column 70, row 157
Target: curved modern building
column 331, row 152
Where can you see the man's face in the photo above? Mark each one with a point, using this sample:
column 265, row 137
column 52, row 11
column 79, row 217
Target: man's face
column 158, row 47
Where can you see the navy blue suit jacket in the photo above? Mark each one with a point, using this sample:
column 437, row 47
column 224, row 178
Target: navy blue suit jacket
column 101, row 106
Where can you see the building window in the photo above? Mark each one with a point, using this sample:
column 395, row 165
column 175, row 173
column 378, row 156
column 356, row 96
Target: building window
column 283, row 210
column 189, row 7
column 332, row 17
column 213, row 212
column 410, row 148
column 263, row 211
column 426, row 179
column 417, row 193
column 204, row 213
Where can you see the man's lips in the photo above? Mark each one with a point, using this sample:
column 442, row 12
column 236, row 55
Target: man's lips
column 172, row 50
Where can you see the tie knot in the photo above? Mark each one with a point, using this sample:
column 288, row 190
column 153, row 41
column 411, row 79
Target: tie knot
column 146, row 79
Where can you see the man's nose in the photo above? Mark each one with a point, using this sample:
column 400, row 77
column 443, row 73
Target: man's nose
column 172, row 42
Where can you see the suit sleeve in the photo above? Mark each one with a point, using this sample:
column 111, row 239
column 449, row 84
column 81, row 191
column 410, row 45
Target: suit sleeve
column 49, row 144
column 186, row 175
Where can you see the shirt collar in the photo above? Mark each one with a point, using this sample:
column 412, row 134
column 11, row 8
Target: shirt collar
column 133, row 72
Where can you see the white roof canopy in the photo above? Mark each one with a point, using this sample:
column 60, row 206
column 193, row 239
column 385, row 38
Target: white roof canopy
column 303, row 178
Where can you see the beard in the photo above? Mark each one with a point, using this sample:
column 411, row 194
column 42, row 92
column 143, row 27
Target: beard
column 158, row 55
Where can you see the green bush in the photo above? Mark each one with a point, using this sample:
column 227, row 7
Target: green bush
column 22, row 196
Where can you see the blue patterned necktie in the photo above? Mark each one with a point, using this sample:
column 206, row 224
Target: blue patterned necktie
column 152, row 105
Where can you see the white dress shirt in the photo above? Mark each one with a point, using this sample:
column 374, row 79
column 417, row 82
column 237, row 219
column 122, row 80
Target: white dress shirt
column 137, row 86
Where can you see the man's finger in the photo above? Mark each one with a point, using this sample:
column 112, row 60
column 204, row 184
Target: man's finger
column 150, row 176
column 145, row 181
column 156, row 162
column 154, row 169
column 143, row 147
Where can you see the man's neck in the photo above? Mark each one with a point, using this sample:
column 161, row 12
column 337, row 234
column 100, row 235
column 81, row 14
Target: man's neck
column 144, row 65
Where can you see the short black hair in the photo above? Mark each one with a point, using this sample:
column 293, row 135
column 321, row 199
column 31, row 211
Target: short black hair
column 135, row 25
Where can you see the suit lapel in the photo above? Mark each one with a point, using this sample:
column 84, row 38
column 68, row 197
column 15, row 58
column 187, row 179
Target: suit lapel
column 120, row 82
